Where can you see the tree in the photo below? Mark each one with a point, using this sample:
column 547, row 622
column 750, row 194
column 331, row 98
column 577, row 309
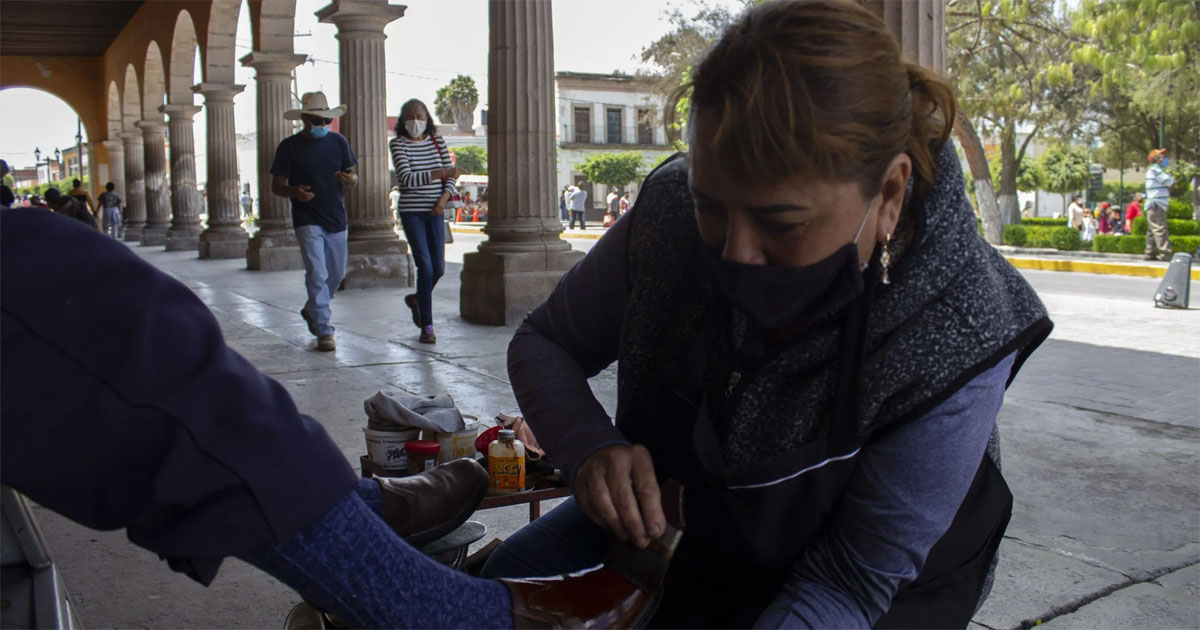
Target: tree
column 1064, row 169
column 456, row 102
column 1029, row 173
column 673, row 54
column 472, row 159
column 1000, row 54
column 1145, row 89
column 613, row 169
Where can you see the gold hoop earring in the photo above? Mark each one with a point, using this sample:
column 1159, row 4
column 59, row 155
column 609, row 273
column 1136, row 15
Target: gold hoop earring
column 885, row 259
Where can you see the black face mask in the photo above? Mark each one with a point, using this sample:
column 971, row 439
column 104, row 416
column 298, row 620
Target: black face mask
column 773, row 296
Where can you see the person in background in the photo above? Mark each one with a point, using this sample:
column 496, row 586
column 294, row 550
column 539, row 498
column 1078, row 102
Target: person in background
column 110, row 210
column 427, row 181
column 312, row 168
column 1090, row 225
column 394, row 201
column 69, row 206
column 1027, row 211
column 1133, row 211
column 625, row 204
column 562, row 203
column 247, row 204
column 36, row 202
column 577, row 203
column 7, row 198
column 78, row 193
column 1158, row 193
column 1075, row 213
column 612, row 203
column 1105, row 219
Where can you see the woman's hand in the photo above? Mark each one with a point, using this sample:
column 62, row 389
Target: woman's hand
column 439, row 206
column 445, row 173
column 617, row 489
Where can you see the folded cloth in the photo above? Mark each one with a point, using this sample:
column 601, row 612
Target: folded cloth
column 437, row 413
column 515, row 420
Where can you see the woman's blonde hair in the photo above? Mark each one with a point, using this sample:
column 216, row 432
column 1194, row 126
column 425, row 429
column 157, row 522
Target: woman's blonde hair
column 817, row 88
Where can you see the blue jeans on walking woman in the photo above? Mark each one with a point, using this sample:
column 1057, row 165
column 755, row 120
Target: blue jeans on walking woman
column 324, row 256
column 426, row 236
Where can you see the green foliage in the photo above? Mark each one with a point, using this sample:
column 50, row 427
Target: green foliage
column 1029, row 173
column 1186, row 244
column 472, row 159
column 1179, row 209
column 671, row 56
column 1064, row 169
column 1139, row 59
column 1044, row 221
column 63, row 185
column 1029, row 235
column 1110, row 191
column 1066, row 239
column 1131, row 244
column 1182, row 227
column 456, row 101
column 1106, row 243
column 613, row 169
column 1015, row 235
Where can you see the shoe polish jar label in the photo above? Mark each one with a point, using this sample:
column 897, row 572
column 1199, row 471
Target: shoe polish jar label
column 506, row 463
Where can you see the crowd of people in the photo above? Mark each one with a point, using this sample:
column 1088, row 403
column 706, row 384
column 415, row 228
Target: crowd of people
column 572, row 205
column 1103, row 218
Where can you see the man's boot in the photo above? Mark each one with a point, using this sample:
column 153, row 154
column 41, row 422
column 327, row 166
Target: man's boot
column 624, row 592
column 422, row 508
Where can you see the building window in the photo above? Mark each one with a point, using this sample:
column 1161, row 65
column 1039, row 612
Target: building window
column 645, row 130
column 583, row 124
column 612, row 121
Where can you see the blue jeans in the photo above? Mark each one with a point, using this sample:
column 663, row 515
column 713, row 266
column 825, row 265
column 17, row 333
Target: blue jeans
column 426, row 236
column 324, row 256
column 112, row 221
column 561, row 541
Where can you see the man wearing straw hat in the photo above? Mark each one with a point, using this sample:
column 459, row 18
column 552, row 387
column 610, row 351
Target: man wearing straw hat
column 311, row 168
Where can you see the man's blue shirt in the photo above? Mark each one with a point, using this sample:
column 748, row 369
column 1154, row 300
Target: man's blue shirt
column 312, row 162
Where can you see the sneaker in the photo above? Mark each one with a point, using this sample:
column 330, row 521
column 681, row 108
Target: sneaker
column 312, row 325
column 410, row 301
column 1150, row 257
column 325, row 343
column 427, row 335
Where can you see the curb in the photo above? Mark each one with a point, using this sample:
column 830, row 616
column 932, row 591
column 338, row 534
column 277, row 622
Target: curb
column 1087, row 266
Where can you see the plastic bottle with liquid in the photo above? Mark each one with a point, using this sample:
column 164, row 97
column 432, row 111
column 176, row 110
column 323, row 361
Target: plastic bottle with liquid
column 506, row 463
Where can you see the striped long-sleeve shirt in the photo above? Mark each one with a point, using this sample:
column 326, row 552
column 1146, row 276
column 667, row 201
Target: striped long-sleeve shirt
column 413, row 160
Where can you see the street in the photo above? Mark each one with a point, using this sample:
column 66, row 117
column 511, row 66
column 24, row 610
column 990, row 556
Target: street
column 1100, row 438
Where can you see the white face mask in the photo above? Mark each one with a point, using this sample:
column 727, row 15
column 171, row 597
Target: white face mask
column 414, row 127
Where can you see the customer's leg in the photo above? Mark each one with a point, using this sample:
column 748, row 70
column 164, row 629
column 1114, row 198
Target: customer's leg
column 1162, row 233
column 418, row 243
column 561, row 541
column 311, row 240
column 582, row 220
column 353, row 565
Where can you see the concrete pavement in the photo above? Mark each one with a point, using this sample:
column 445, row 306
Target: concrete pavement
column 1101, row 443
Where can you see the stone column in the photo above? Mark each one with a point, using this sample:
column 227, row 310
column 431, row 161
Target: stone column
column 225, row 236
column 116, row 169
column 135, row 185
column 184, row 233
column 274, row 247
column 377, row 256
column 158, row 196
column 919, row 26
column 523, row 257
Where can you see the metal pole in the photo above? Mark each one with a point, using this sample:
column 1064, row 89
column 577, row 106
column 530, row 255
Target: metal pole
column 1121, row 190
column 79, row 148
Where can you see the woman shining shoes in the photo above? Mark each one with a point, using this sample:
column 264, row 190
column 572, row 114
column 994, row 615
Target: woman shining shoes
column 811, row 336
column 427, row 181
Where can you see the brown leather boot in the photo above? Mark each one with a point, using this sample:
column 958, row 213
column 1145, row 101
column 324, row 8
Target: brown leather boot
column 621, row 593
column 424, row 507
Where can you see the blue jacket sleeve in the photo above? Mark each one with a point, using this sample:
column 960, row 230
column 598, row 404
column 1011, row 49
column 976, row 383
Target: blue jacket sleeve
column 124, row 408
column 901, row 500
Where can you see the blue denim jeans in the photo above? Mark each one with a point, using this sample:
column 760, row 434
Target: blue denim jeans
column 112, row 221
column 324, row 256
column 561, row 541
column 426, row 236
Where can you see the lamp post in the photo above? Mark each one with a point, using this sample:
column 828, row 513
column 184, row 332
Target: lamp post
column 79, row 149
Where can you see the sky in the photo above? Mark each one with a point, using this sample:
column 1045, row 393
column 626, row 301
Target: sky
column 435, row 41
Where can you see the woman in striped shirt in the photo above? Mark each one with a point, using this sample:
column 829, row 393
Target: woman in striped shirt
column 426, row 181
